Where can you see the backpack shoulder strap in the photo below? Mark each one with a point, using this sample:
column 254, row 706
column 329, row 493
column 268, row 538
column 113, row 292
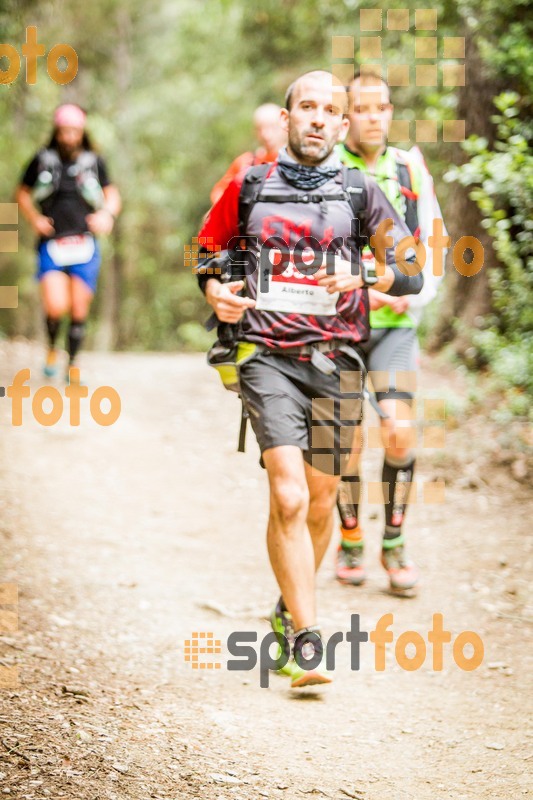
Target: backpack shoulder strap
column 353, row 181
column 252, row 184
column 87, row 160
column 406, row 188
column 49, row 159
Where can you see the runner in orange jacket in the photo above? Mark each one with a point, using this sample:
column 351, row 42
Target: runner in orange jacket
column 271, row 137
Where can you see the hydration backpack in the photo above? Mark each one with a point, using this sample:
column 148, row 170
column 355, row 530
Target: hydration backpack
column 352, row 189
column 411, row 198
column 86, row 173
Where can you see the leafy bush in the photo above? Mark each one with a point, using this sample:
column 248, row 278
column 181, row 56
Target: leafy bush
column 502, row 181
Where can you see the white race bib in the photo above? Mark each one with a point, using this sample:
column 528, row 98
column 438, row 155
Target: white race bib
column 69, row 250
column 294, row 293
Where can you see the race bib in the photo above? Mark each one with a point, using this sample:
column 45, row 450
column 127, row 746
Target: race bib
column 69, row 250
column 291, row 292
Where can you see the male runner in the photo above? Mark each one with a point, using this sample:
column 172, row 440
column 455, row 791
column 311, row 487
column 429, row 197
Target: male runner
column 393, row 344
column 299, row 332
column 271, row 137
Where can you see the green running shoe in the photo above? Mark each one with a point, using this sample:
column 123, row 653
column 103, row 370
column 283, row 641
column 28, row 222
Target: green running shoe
column 403, row 573
column 281, row 622
column 305, row 649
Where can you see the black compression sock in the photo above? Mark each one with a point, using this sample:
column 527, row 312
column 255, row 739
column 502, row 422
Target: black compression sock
column 76, row 334
column 348, row 496
column 52, row 326
column 398, row 476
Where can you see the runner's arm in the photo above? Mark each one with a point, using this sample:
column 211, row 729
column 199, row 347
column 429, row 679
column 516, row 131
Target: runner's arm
column 41, row 225
column 394, row 281
column 219, row 228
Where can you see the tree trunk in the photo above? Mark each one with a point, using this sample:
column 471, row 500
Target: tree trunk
column 108, row 334
column 468, row 300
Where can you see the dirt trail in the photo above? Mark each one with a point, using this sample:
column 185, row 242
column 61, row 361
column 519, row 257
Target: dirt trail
column 125, row 540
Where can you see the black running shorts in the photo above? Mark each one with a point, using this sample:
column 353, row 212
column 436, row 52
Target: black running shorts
column 292, row 402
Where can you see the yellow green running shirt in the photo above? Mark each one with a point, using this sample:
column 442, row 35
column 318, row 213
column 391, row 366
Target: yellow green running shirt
column 386, row 176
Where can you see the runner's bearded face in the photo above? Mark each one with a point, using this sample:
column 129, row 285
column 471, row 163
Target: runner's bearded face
column 315, row 122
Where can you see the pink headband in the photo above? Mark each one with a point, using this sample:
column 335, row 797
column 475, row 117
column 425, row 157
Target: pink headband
column 69, row 116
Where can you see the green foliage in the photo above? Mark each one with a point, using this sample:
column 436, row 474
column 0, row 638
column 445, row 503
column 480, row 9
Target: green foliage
column 171, row 87
column 503, row 190
column 504, row 32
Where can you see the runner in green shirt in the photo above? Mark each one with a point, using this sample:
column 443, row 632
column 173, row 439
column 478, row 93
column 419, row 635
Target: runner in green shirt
column 393, row 345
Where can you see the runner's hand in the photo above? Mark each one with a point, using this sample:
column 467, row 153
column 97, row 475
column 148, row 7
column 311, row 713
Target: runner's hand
column 342, row 280
column 399, row 304
column 227, row 306
column 43, row 226
column 100, row 222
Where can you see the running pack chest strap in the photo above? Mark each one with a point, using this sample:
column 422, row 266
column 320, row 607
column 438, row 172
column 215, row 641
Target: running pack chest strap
column 85, row 170
column 411, row 198
column 352, row 190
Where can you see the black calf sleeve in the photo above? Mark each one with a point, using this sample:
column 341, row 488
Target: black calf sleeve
column 348, row 501
column 76, row 334
column 52, row 326
column 398, row 477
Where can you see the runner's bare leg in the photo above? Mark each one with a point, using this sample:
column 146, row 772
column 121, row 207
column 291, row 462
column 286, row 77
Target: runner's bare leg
column 289, row 544
column 322, row 501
